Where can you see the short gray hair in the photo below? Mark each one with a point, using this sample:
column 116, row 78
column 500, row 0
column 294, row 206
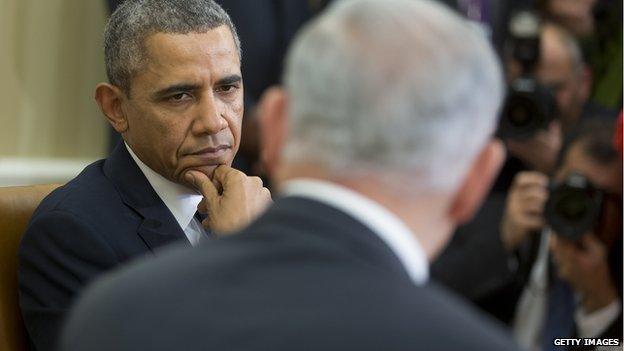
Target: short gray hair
column 394, row 84
column 135, row 20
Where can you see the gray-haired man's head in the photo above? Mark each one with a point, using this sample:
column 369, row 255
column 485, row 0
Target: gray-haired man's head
column 135, row 20
column 396, row 84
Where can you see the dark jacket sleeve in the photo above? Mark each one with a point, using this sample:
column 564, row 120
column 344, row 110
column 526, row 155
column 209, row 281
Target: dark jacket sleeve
column 59, row 254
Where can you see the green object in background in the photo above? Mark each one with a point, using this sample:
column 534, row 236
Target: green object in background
column 607, row 89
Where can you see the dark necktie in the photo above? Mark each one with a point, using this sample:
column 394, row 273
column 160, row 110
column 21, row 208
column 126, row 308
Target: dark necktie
column 559, row 318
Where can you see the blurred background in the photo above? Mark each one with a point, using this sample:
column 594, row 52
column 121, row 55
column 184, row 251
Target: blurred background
column 563, row 65
column 51, row 58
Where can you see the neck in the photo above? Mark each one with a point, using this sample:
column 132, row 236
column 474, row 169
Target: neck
column 423, row 212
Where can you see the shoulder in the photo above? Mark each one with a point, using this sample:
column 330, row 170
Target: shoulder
column 90, row 197
column 83, row 210
column 455, row 323
column 238, row 279
column 90, row 184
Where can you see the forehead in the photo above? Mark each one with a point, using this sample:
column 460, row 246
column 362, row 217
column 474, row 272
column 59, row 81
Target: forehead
column 169, row 55
column 555, row 58
column 604, row 176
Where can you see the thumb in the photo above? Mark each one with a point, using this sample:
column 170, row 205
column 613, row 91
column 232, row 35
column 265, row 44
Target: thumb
column 203, row 184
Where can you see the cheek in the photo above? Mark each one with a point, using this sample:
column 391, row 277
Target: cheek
column 167, row 134
column 564, row 98
column 235, row 118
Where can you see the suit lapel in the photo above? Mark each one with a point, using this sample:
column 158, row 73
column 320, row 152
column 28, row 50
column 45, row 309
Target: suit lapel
column 158, row 226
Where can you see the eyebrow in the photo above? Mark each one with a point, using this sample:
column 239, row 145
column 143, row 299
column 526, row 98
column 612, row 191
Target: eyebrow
column 231, row 79
column 183, row 87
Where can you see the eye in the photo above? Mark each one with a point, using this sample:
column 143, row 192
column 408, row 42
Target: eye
column 179, row 97
column 227, row 88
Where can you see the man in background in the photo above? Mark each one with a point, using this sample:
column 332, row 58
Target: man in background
column 380, row 144
column 175, row 94
column 480, row 258
column 597, row 24
column 582, row 277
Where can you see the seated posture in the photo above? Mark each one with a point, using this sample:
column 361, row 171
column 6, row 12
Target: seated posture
column 380, row 144
column 176, row 96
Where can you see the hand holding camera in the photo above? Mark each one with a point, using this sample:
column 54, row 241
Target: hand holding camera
column 524, row 210
column 586, row 269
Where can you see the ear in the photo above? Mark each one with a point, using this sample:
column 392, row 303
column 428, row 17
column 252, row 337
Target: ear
column 272, row 114
column 477, row 183
column 109, row 98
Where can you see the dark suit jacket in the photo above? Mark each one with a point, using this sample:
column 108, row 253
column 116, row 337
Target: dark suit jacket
column 305, row 276
column 105, row 216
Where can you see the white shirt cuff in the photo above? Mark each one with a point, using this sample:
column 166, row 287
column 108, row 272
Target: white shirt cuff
column 591, row 325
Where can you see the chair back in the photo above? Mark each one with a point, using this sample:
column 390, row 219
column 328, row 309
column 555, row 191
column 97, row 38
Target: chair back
column 17, row 205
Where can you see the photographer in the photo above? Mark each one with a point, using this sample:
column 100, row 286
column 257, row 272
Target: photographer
column 597, row 24
column 476, row 263
column 582, row 259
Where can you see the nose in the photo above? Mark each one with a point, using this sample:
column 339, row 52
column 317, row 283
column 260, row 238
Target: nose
column 209, row 119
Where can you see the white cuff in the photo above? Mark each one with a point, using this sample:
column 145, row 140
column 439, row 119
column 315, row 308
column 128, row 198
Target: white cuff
column 593, row 324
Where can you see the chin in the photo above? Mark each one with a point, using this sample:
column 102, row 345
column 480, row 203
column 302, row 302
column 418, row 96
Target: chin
column 208, row 170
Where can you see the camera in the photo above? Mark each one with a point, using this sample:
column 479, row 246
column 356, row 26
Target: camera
column 573, row 207
column 528, row 106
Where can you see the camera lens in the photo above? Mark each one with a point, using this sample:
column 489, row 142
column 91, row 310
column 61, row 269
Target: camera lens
column 521, row 112
column 572, row 206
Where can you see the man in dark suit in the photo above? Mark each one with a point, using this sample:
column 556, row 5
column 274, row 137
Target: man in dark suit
column 175, row 95
column 380, row 145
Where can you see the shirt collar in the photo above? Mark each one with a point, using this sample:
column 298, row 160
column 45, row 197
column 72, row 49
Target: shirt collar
column 180, row 200
column 392, row 230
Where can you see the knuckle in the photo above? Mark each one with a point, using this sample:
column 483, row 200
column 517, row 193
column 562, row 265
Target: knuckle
column 257, row 181
column 236, row 176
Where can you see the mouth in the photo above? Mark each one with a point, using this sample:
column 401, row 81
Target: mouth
column 212, row 153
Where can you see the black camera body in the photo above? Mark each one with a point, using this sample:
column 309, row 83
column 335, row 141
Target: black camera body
column 573, row 207
column 528, row 106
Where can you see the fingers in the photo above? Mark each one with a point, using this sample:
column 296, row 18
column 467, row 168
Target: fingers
column 524, row 208
column 530, row 179
column 267, row 193
column 531, row 221
column 529, row 193
column 202, row 207
column 225, row 175
column 241, row 200
column 533, row 195
column 584, row 266
column 203, row 184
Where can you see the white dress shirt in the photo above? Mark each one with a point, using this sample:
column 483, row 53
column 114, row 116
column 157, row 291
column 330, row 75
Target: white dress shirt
column 390, row 229
column 180, row 200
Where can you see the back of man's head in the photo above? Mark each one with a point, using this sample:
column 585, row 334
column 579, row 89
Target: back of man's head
column 399, row 84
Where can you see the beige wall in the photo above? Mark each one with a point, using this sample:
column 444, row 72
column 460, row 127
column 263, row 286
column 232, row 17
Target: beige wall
column 50, row 60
